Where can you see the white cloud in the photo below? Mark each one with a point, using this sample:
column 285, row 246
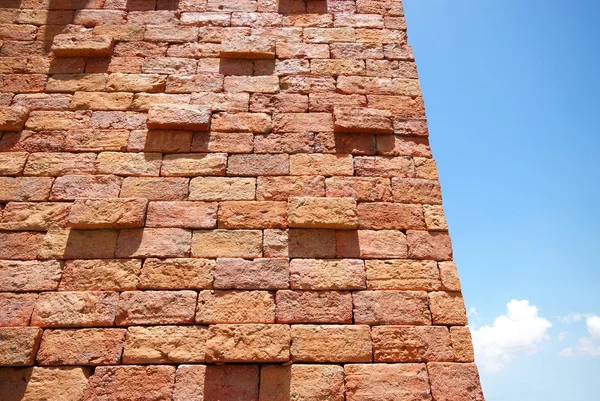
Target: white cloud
column 519, row 332
column 474, row 314
column 573, row 317
column 566, row 352
column 562, row 335
column 590, row 345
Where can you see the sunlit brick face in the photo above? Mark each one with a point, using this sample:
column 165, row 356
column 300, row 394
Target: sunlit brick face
column 228, row 200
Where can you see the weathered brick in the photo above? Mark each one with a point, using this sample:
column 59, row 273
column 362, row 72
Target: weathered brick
column 108, row 213
column 230, row 307
column 242, row 122
column 179, row 117
column 275, row 243
column 22, row 83
column 221, row 188
column 259, row 165
column 321, row 164
column 226, row 142
column 19, row 345
column 156, row 307
column 257, row 274
column 362, row 120
column 412, row 344
column 23, row 245
column 232, row 102
column 34, row 216
column 462, row 344
column 81, row 347
column 329, row 35
column 331, row 343
column 75, row 244
column 406, row 381
column 214, row 382
column 129, row 164
column 16, row 309
column 302, row 50
column 279, row 103
column 390, row 216
column 281, row 188
column 363, row 189
column 111, row 383
column 155, row 189
column 12, row 163
column 100, row 275
column 154, row 242
column 248, row 343
column 307, row 85
column 371, row 244
column 244, row 214
column 75, row 309
column 384, row 166
column 311, row 243
column 71, row 187
column 302, row 122
column 449, row 276
column 402, row 107
column 194, row 164
column 120, row 32
column 416, row 190
column 448, row 308
column 165, row 344
column 318, row 274
column 56, row 164
column 401, row 274
column 82, row 45
column 119, row 82
column 314, row 307
column 77, row 82
column 391, row 307
column 13, row 118
column 435, row 218
column 260, row 84
column 395, row 145
column 429, row 245
column 302, row 382
column 42, row 101
column 248, row 47
column 180, row 273
column 21, row 276
column 143, row 101
column 182, row 214
column 160, row 141
column 169, row 65
column 206, row 19
column 101, row 101
column 166, row 33
column 42, row 383
column 326, row 102
column 294, row 142
column 332, row 213
column 227, row 244
column 454, row 382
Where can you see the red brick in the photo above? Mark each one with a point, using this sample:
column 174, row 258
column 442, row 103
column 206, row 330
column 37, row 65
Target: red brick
column 226, row 307
column 429, row 245
column 329, row 35
column 259, row 165
column 195, row 83
column 320, row 164
column 19, row 345
column 320, row 102
column 416, row 190
column 449, row 276
column 169, row 65
column 252, row 214
column 331, row 343
column 232, row 102
column 302, row 50
column 120, row 32
column 165, row 344
column 390, row 216
column 81, row 347
column 402, row 107
column 371, row 244
column 260, row 84
column 362, row 120
column 335, row 67
column 21, row 276
column 136, row 83
column 394, row 145
column 227, row 244
column 261, row 343
column 318, row 274
column 180, row 273
column 108, row 213
column 154, row 242
column 118, row 120
column 75, row 309
column 13, row 118
column 71, row 187
column 391, row 307
column 160, row 141
column 412, row 344
column 363, row 189
column 281, row 188
column 226, row 142
column 454, row 382
column 399, row 274
column 435, row 218
column 206, row 19
column 354, row 51
column 75, row 244
column 462, row 344
column 34, row 216
column 295, row 142
column 43, row 101
column 77, row 82
column 314, row 307
column 40, row 383
column 129, row 164
column 56, row 164
column 257, row 274
column 194, row 164
column 166, row 33
column 307, row 85
column 448, row 308
column 302, row 122
column 384, row 166
column 331, row 213
column 242, row 122
column 155, row 189
column 16, row 309
column 23, row 83
column 406, row 381
column 143, row 101
column 179, row 117
column 394, row 51
column 89, row 18
column 156, row 307
column 114, row 383
column 221, row 188
column 311, row 243
column 101, row 101
column 213, row 382
column 100, row 275
column 248, row 47
column 306, row 382
column 82, row 45
column 380, row 36
column 182, row 214
column 23, row 245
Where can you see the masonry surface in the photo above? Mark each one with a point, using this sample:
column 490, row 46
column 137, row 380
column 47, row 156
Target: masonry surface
column 221, row 200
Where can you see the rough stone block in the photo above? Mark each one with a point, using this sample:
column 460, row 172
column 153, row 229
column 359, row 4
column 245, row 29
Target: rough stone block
column 362, row 120
column 100, row 275
column 391, row 307
column 214, row 382
column 302, row 382
column 462, row 344
column 108, row 213
column 74, row 244
column 20, row 189
column 314, row 307
column 82, row 45
column 331, row 343
column 412, row 344
column 19, row 345
column 182, row 214
column 23, row 245
column 21, row 276
column 252, row 214
column 321, row 164
column 429, row 245
column 390, row 216
column 320, row 274
column 248, row 343
column 13, row 118
column 454, row 382
column 248, row 47
column 16, row 309
column 448, row 308
column 174, row 274
column 156, row 307
column 75, row 309
column 179, row 117
column 154, row 243
column 112, row 383
column 283, row 187
column 34, row 216
column 222, row 188
column 406, row 381
column 402, row 274
column 227, row 244
column 371, row 244
column 231, row 307
column 257, row 274
column 165, row 344
column 332, row 213
column 363, row 189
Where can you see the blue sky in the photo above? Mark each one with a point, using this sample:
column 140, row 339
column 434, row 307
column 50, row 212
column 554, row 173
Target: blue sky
column 512, row 91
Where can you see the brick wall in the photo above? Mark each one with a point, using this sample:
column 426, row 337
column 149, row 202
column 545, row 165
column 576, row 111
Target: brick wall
column 228, row 200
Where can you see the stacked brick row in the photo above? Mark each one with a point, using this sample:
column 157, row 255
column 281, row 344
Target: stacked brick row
column 221, row 200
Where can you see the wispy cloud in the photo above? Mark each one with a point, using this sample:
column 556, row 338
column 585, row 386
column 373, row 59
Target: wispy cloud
column 590, row 345
column 519, row 332
column 566, row 352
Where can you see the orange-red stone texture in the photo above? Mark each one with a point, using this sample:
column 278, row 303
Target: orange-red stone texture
column 227, row 200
